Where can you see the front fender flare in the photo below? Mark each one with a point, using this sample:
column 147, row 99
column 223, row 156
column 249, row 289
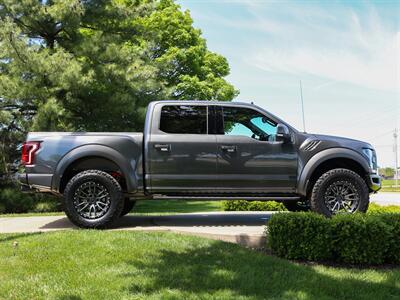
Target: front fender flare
column 127, row 168
column 323, row 156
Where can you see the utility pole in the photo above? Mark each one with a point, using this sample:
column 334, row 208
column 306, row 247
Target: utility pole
column 395, row 135
column 302, row 106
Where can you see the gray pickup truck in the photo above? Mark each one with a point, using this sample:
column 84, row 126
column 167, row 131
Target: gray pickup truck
column 200, row 150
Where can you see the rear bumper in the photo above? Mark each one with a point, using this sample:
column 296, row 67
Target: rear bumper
column 374, row 182
column 40, row 182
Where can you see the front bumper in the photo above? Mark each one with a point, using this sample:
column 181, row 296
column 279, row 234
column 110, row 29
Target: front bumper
column 375, row 182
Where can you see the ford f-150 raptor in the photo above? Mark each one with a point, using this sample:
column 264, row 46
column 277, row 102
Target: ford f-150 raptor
column 200, row 150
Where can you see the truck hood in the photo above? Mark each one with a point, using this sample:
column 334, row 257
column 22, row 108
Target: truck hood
column 342, row 141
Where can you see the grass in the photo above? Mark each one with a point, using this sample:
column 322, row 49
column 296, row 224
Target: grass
column 165, row 207
column 33, row 214
column 176, row 206
column 155, row 207
column 388, row 186
column 376, row 208
column 140, row 265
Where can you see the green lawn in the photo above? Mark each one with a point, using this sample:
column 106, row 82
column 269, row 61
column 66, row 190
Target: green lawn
column 141, row 265
column 387, row 186
column 176, row 206
column 155, row 207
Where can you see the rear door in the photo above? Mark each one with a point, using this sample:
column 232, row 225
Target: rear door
column 249, row 159
column 181, row 154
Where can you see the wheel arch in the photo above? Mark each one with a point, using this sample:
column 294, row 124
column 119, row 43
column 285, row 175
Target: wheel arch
column 93, row 157
column 327, row 160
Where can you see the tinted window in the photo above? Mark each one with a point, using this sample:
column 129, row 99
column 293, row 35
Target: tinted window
column 248, row 122
column 184, row 119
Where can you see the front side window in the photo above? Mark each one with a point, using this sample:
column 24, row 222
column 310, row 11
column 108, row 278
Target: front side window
column 248, row 122
column 184, row 119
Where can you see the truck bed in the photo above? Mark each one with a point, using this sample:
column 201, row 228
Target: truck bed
column 58, row 149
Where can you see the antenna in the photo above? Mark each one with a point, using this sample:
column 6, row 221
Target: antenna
column 302, row 107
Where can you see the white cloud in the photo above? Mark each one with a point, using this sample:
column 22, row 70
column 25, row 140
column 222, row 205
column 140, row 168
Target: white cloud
column 336, row 64
column 351, row 49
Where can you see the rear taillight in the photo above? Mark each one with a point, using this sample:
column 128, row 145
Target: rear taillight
column 28, row 152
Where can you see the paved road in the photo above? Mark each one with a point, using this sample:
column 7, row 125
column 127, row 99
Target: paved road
column 384, row 198
column 237, row 227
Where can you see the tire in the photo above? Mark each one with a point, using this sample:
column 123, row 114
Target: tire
column 339, row 191
column 296, row 205
column 93, row 199
column 128, row 205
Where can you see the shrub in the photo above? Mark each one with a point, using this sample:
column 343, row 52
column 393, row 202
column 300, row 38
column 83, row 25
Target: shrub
column 12, row 200
column 355, row 239
column 300, row 236
column 48, row 206
column 393, row 249
column 360, row 239
column 243, row 205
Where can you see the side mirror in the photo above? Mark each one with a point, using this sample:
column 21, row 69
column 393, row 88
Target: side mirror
column 282, row 133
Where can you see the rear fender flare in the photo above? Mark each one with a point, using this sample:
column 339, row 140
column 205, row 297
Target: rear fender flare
column 127, row 168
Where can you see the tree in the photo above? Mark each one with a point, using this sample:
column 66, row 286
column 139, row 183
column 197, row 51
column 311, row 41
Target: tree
column 387, row 172
column 94, row 65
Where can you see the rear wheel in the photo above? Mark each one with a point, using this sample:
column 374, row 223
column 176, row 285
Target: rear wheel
column 128, row 205
column 339, row 191
column 93, row 199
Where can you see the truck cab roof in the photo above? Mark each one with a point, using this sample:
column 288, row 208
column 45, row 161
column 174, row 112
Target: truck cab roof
column 205, row 102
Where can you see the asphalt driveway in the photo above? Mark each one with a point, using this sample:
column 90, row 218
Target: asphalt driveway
column 386, row 198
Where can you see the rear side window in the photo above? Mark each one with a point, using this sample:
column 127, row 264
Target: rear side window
column 184, row 119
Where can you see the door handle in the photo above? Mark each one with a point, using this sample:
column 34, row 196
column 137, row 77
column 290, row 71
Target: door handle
column 163, row 147
column 229, row 149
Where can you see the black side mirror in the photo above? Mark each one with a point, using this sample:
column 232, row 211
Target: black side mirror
column 282, row 133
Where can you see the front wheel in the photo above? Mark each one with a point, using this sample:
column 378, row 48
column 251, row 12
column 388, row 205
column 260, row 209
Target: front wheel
column 339, row 191
column 93, row 199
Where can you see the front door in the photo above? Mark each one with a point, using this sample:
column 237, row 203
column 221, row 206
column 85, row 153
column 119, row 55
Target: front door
column 249, row 160
column 181, row 153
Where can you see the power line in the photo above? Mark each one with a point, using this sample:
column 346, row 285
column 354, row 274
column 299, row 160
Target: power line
column 375, row 115
column 382, row 134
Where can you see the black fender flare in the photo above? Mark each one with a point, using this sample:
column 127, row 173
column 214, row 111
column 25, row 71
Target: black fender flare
column 323, row 156
column 96, row 150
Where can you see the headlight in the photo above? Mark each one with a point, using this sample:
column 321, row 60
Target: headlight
column 371, row 158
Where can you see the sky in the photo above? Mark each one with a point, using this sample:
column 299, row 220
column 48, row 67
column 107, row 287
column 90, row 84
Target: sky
column 346, row 54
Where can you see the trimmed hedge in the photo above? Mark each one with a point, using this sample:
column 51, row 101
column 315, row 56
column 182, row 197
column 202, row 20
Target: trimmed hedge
column 360, row 239
column 355, row 239
column 243, row 205
column 300, row 236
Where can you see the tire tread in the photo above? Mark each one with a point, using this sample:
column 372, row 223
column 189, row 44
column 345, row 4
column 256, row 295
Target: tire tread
column 319, row 207
column 109, row 219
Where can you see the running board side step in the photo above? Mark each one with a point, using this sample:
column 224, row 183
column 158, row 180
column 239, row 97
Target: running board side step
column 261, row 198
